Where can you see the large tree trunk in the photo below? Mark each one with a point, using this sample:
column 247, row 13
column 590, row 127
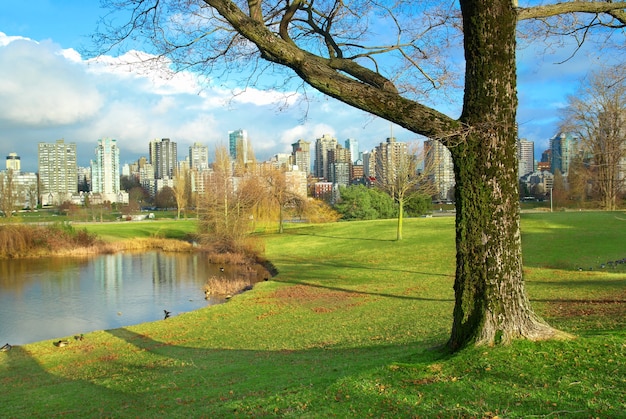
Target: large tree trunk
column 491, row 303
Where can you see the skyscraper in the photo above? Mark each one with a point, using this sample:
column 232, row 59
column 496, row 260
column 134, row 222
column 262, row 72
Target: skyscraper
column 562, row 147
column 105, row 169
column 163, row 158
column 322, row 145
column 239, row 146
column 198, row 157
column 439, row 167
column 353, row 145
column 339, row 165
column 525, row 157
column 58, row 172
column 301, row 152
column 388, row 158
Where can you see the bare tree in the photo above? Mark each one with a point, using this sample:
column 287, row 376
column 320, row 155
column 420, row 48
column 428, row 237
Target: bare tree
column 7, row 193
column 597, row 114
column 181, row 190
column 225, row 208
column 339, row 49
column 578, row 178
column 402, row 178
column 32, row 194
column 280, row 193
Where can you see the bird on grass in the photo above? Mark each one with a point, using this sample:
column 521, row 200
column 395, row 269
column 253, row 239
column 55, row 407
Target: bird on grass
column 79, row 337
column 167, row 314
column 6, row 348
column 61, row 343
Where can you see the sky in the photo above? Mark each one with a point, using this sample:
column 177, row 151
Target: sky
column 49, row 91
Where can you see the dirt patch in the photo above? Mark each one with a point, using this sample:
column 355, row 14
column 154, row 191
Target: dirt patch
column 318, row 299
column 601, row 308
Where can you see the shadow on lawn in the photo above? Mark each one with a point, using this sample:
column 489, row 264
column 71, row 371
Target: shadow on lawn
column 35, row 391
column 299, row 232
column 368, row 293
column 343, row 264
column 230, row 382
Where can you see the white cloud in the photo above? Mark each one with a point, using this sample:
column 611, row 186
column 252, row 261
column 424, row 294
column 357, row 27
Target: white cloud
column 40, row 87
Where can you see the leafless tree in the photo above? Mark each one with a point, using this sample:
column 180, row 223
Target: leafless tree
column 280, row 193
column 181, row 190
column 32, row 194
column 225, row 208
column 8, row 195
column 339, row 49
column 597, row 114
column 403, row 177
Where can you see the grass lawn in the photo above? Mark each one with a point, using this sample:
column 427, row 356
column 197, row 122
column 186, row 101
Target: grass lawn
column 162, row 228
column 352, row 327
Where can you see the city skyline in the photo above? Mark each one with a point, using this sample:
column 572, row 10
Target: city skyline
column 56, row 91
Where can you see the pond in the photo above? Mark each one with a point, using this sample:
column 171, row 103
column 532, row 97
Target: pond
column 52, row 298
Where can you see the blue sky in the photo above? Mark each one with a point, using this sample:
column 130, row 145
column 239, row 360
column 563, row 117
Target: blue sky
column 48, row 91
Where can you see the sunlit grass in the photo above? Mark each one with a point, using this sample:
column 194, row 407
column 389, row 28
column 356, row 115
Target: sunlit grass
column 352, row 327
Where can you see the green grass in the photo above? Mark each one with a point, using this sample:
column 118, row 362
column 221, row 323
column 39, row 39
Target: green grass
column 163, row 228
column 351, row 327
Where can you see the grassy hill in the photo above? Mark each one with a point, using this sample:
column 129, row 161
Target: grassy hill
column 352, row 327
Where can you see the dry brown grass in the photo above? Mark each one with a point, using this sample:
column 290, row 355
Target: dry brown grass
column 225, row 286
column 140, row 244
column 20, row 240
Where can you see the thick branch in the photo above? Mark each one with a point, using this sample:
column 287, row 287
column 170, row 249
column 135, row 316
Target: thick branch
column 287, row 17
column 365, row 89
column 615, row 10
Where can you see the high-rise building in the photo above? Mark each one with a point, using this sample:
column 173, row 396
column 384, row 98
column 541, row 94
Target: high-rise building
column 389, row 156
column 58, row 175
column 353, row 145
column 239, row 146
column 563, row 147
column 301, row 155
column 438, row 166
column 13, row 162
column 525, row 156
column 105, row 169
column 322, row 145
column 369, row 164
column 339, row 165
column 198, row 157
column 163, row 158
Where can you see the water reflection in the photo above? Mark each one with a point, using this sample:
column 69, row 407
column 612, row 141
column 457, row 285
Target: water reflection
column 55, row 297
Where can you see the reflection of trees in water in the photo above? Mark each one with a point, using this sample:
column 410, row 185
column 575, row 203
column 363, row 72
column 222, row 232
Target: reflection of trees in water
column 168, row 269
column 15, row 274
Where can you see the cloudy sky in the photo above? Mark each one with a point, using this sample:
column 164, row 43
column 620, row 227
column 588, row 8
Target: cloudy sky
column 48, row 91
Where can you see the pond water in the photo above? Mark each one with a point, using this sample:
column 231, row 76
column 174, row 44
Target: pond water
column 52, row 298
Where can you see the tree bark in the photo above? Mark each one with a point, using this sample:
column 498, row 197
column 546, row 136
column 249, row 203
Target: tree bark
column 491, row 303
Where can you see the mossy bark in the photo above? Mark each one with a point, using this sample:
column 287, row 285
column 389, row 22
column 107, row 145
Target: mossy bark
column 491, row 302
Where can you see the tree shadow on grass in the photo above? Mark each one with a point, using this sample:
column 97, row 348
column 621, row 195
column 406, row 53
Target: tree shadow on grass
column 313, row 233
column 33, row 388
column 343, row 264
column 233, row 382
column 366, row 293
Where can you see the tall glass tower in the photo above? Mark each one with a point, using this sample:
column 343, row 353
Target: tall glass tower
column 105, row 169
